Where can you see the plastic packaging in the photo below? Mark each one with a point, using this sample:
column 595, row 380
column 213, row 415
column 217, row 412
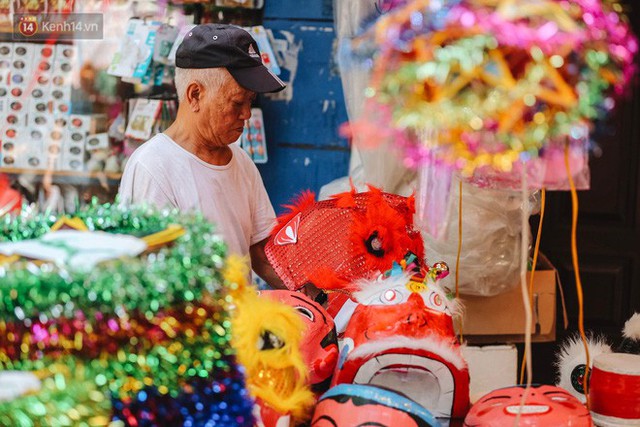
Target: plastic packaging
column 381, row 166
column 491, row 233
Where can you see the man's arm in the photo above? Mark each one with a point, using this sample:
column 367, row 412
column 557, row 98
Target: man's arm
column 263, row 268
column 261, row 265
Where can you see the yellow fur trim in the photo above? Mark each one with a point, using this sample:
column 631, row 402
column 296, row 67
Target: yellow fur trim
column 235, row 273
column 277, row 376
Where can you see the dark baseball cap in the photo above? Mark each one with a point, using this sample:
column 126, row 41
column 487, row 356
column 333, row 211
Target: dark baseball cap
column 219, row 45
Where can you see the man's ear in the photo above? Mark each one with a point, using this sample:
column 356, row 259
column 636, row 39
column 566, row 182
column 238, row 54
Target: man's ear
column 194, row 95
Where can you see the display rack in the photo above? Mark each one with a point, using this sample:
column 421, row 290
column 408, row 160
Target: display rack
column 66, row 177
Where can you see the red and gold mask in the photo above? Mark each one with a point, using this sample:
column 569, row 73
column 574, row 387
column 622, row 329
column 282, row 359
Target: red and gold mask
column 333, row 243
column 401, row 337
column 319, row 345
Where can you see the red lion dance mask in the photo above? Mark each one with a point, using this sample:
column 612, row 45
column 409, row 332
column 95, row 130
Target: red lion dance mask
column 335, row 242
column 401, row 338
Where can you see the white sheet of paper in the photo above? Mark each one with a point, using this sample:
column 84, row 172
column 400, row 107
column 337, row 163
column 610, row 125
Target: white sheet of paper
column 14, row 384
column 79, row 250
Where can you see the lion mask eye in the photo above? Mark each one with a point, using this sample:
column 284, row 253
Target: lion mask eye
column 269, row 341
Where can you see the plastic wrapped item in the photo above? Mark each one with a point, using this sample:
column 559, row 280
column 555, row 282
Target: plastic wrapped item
column 382, row 166
column 548, row 171
column 433, row 198
column 491, row 233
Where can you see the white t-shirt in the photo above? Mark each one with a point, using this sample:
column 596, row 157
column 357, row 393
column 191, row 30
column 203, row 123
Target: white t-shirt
column 233, row 197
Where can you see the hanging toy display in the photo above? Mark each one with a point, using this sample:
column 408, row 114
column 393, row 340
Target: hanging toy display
column 349, row 405
column 401, row 338
column 493, row 90
column 614, row 391
column 335, row 242
column 544, row 406
column 319, row 344
column 148, row 343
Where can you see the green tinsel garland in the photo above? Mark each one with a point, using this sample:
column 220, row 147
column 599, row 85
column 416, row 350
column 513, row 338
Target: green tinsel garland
column 183, row 279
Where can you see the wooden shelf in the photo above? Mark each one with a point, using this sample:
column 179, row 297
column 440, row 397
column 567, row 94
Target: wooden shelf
column 67, row 177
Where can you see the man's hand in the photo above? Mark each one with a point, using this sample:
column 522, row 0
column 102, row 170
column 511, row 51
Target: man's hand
column 260, row 264
column 314, row 293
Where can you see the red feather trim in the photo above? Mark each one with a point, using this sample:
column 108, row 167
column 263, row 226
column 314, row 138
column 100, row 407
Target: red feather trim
column 306, row 200
column 326, row 278
column 374, row 190
column 390, row 229
column 346, row 200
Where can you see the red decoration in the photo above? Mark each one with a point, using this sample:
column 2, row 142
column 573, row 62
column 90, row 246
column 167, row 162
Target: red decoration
column 319, row 344
column 266, row 416
column 338, row 241
column 614, row 389
column 544, row 406
column 404, row 341
column 10, row 199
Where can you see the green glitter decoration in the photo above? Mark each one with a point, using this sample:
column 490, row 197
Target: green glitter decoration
column 179, row 288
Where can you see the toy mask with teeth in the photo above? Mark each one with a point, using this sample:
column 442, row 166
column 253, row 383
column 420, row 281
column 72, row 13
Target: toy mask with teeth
column 545, row 406
column 401, row 337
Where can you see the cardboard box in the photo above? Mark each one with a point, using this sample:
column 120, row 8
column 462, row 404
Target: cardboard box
column 501, row 318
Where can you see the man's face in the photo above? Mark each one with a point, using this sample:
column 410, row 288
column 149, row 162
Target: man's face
column 224, row 112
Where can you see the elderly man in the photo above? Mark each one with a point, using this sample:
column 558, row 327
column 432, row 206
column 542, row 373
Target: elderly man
column 194, row 164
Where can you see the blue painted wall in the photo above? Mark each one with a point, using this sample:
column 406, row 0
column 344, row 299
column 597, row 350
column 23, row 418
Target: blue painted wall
column 304, row 147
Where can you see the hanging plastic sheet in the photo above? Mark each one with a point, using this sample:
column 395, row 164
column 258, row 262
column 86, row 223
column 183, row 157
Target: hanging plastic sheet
column 491, row 234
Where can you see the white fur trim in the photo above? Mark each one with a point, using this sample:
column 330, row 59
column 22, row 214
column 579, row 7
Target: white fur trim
column 572, row 354
column 632, row 328
column 433, row 344
column 369, row 289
